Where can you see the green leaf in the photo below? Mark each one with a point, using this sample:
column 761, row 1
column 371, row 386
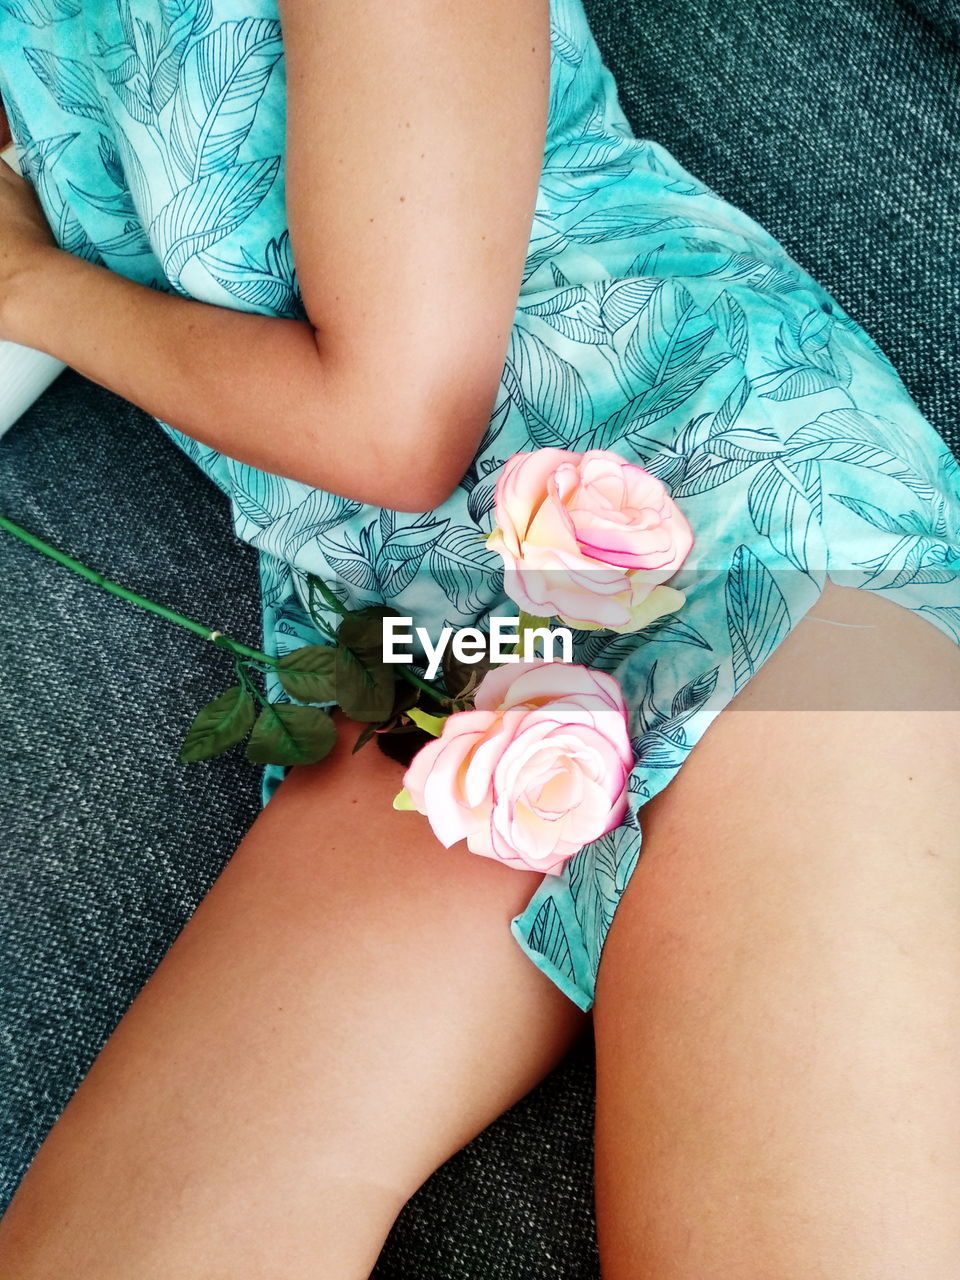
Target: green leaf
column 528, row 622
column 286, row 733
column 428, row 723
column 405, row 696
column 364, row 690
column 218, row 725
column 364, row 682
column 363, row 737
column 368, row 623
column 461, row 678
column 308, row 673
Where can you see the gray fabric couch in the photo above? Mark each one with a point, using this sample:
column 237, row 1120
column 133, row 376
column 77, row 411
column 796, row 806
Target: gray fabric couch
column 838, row 127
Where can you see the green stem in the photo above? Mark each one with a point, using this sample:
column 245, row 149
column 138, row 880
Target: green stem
column 115, row 588
column 249, row 684
column 412, row 678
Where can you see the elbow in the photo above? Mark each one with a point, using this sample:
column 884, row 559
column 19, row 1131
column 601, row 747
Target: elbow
column 413, row 493
column 418, row 471
column 409, row 460
column 428, row 465
column 421, row 484
column 399, row 480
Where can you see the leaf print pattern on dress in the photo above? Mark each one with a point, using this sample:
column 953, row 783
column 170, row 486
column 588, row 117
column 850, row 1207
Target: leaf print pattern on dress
column 219, row 86
column 269, row 286
column 69, row 82
column 40, row 13
column 194, row 94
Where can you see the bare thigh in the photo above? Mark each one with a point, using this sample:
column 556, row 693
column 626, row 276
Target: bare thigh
column 777, row 1013
column 345, row 1010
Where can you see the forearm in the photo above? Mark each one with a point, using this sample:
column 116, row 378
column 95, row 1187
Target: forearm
column 254, row 387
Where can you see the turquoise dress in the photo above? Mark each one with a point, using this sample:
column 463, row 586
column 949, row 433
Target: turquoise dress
column 654, row 319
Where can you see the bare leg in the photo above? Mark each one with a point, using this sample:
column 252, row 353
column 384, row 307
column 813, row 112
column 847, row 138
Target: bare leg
column 344, row 1011
column 777, row 1015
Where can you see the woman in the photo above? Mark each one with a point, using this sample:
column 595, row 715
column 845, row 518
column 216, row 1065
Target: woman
column 772, row 987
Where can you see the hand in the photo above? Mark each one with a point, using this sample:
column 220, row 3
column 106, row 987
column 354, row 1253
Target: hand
column 24, row 232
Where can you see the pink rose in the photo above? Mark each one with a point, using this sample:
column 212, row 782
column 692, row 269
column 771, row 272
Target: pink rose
column 589, row 538
column 537, row 770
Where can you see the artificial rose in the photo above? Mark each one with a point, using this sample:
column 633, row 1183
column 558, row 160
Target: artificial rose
column 588, row 538
column 537, row 770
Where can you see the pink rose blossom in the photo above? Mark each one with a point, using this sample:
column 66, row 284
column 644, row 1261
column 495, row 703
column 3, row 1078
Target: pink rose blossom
column 589, row 538
column 537, row 770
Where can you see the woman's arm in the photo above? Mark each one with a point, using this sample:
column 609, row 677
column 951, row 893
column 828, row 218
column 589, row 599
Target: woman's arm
column 254, row 387
column 414, row 147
